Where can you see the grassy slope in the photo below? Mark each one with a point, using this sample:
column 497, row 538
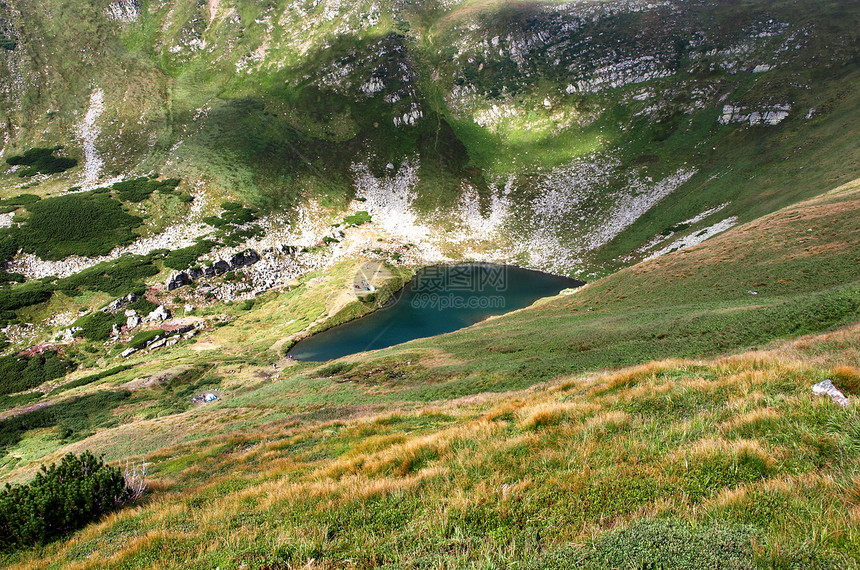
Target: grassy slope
column 518, row 478
column 359, row 466
column 277, row 134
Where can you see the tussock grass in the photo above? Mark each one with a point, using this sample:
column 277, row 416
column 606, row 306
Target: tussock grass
column 573, row 470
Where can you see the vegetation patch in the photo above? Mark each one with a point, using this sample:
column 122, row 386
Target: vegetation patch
column 142, row 338
column 41, row 160
column 62, row 498
column 86, row 224
column 120, row 277
column 83, row 381
column 74, row 418
column 660, row 544
column 96, row 326
column 15, row 202
column 183, row 258
column 18, row 373
column 357, row 219
column 139, row 189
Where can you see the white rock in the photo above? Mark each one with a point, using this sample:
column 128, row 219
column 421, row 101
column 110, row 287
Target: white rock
column 159, row 314
column 826, row 388
column 130, row 313
column 128, row 352
column 132, row 322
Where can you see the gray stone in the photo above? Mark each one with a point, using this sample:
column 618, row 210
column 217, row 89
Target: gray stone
column 826, row 388
column 159, row 314
column 117, row 304
column 132, row 322
column 177, row 279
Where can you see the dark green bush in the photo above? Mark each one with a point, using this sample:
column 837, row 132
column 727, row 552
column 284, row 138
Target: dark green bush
column 95, row 326
column 140, row 339
column 74, row 418
column 87, row 224
column 183, row 258
column 41, row 160
column 18, row 373
column 139, row 189
column 24, row 295
column 62, row 498
column 7, row 402
column 117, row 278
column 8, row 44
column 6, row 277
column 91, row 378
column 358, row 218
column 12, row 204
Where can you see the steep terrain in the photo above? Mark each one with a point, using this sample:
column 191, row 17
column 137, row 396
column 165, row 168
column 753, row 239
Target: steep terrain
column 539, row 133
column 191, row 187
column 436, row 453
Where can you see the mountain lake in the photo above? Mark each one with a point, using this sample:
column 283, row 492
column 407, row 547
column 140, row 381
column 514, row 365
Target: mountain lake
column 439, row 299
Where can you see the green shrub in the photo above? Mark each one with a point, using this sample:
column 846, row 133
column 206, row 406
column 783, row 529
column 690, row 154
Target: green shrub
column 62, row 498
column 91, row 378
column 19, row 373
column 183, row 258
column 41, row 160
column 74, row 417
column 139, row 189
column 7, row 401
column 86, row 224
column 96, row 326
column 358, row 218
column 24, row 295
column 6, row 277
column 140, row 339
column 8, row 44
column 13, row 203
column 117, row 278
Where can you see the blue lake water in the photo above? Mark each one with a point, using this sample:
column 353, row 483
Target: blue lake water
column 437, row 300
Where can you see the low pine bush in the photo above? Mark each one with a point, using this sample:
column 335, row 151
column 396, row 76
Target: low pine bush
column 62, row 498
column 41, row 160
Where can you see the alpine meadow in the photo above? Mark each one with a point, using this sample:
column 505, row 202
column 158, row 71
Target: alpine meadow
column 430, row 284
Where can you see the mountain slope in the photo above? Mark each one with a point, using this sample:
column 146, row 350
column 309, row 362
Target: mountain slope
column 436, row 435
column 539, row 133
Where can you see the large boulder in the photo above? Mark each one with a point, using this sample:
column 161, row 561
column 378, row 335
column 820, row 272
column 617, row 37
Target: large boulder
column 244, row 258
column 159, row 314
column 177, row 279
column 221, row 267
column 118, row 304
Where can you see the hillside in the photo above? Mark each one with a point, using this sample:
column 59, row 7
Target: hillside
column 434, row 451
column 539, row 133
column 189, row 188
